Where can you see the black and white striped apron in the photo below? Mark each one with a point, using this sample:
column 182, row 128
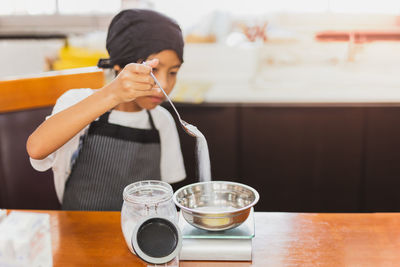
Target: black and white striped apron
column 112, row 156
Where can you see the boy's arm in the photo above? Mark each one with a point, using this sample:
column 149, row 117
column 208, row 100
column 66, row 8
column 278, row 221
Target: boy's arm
column 132, row 82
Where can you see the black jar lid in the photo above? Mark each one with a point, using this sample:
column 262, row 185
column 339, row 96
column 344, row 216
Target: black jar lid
column 156, row 240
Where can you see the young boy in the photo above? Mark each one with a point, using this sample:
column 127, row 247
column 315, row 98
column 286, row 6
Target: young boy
column 99, row 141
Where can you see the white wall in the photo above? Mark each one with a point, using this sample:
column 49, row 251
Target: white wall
column 20, row 57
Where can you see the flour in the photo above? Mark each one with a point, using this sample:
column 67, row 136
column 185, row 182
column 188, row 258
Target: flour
column 203, row 156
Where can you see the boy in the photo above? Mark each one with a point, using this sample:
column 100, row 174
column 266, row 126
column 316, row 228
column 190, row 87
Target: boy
column 99, row 141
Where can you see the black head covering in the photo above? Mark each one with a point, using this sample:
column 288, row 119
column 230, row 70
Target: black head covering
column 135, row 34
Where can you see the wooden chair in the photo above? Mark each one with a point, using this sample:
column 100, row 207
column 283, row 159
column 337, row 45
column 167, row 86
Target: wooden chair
column 24, row 104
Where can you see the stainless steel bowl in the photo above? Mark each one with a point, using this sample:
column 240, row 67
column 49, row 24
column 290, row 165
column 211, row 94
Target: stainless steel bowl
column 216, row 205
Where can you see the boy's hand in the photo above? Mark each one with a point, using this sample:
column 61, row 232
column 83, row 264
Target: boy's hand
column 134, row 81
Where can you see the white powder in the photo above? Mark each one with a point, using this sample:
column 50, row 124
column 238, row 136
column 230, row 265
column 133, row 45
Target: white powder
column 203, row 156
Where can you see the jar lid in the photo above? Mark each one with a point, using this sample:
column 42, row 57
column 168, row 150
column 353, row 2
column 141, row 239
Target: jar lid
column 148, row 192
column 156, row 240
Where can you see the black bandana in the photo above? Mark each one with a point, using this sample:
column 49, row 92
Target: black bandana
column 135, row 34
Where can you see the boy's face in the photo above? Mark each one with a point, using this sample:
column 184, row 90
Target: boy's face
column 165, row 72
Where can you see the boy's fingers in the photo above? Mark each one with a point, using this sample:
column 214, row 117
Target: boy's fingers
column 152, row 92
column 152, row 63
column 143, row 87
column 145, row 79
column 138, row 68
column 144, row 68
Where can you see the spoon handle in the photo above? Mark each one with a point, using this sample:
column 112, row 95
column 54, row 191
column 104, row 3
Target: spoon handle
column 169, row 100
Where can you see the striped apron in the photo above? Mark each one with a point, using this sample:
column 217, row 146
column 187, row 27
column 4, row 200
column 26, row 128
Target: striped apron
column 112, row 156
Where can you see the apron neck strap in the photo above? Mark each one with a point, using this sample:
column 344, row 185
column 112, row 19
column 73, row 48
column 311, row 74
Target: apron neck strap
column 104, row 117
column 151, row 120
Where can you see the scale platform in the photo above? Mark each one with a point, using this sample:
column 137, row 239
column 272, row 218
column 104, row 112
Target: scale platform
column 229, row 245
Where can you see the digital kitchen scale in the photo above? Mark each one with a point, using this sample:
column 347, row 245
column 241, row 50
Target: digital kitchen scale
column 229, row 245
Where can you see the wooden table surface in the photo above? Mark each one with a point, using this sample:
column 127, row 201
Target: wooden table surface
column 282, row 239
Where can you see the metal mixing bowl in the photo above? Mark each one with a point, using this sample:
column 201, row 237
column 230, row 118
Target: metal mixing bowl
column 216, row 205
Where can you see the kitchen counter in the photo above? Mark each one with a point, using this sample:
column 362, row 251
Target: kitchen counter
column 291, row 73
column 289, row 94
column 282, row 239
column 351, row 96
column 282, row 90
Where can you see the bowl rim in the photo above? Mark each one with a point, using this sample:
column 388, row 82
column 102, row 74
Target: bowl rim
column 254, row 191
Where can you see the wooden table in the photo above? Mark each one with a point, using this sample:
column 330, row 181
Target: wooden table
column 282, row 239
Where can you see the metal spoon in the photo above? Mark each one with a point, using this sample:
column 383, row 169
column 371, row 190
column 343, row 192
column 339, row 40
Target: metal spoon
column 184, row 124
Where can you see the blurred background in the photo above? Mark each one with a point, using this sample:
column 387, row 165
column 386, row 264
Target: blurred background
column 274, row 48
column 298, row 99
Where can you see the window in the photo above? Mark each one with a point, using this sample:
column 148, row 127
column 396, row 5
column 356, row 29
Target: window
column 48, row 7
column 88, row 6
column 185, row 9
column 187, row 12
column 27, row 7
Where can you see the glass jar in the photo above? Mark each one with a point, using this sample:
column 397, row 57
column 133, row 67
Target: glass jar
column 146, row 199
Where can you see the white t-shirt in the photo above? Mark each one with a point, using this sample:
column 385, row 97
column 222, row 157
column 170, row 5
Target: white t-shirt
column 171, row 163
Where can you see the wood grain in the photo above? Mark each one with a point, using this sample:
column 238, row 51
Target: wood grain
column 44, row 89
column 282, row 239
